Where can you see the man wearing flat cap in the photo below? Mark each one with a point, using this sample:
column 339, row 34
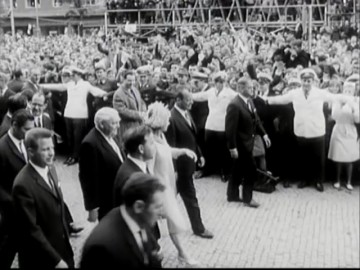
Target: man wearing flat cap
column 147, row 89
column 309, row 125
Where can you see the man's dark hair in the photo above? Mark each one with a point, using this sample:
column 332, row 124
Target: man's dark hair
column 20, row 117
column 17, row 73
column 128, row 73
column 33, row 135
column 135, row 136
column 16, row 102
column 140, row 186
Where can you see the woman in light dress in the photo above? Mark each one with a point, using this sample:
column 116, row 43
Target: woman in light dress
column 344, row 141
column 157, row 118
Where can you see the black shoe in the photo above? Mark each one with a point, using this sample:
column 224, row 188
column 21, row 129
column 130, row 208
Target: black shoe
column 235, row 200
column 73, row 229
column 286, row 184
column 302, row 184
column 252, row 204
column 72, row 161
column 205, row 234
column 67, row 160
column 319, row 186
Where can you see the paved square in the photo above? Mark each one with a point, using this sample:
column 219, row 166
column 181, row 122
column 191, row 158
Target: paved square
column 292, row 228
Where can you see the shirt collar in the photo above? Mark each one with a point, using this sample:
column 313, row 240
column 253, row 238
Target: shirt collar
column 180, row 110
column 243, row 98
column 14, row 140
column 142, row 164
column 130, row 222
column 4, row 91
column 102, row 133
column 42, row 171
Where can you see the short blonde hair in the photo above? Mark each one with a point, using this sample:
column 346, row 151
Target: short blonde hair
column 157, row 115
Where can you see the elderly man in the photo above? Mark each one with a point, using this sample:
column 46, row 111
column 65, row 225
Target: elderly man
column 309, row 126
column 218, row 98
column 40, row 209
column 241, row 125
column 122, row 239
column 129, row 104
column 100, row 159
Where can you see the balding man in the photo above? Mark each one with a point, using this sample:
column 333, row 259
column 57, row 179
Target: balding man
column 241, row 125
column 100, row 159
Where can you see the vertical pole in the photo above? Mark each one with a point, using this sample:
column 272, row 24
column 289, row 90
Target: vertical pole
column 37, row 18
column 12, row 18
column 106, row 22
column 209, row 11
column 310, row 29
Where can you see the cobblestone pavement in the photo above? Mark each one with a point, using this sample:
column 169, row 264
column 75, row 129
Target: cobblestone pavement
column 292, row 228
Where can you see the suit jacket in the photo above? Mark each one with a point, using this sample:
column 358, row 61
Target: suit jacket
column 98, row 165
column 122, row 175
column 11, row 162
column 5, row 125
column 181, row 135
column 46, row 122
column 40, row 220
column 109, row 86
column 241, row 125
column 128, row 107
column 3, row 103
column 112, row 245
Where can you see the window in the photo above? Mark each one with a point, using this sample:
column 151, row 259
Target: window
column 31, row 3
column 60, row 3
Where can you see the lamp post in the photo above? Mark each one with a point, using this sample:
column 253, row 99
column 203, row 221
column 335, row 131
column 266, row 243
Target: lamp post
column 37, row 19
column 12, row 20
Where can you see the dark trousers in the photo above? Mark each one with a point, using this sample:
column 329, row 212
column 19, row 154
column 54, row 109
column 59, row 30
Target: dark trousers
column 217, row 154
column 311, row 159
column 8, row 246
column 76, row 129
column 186, row 189
column 244, row 172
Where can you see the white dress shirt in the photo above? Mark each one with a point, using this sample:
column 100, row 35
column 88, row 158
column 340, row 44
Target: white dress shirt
column 218, row 103
column 309, row 119
column 141, row 164
column 76, row 106
column 112, row 143
column 43, row 173
column 19, row 145
column 38, row 121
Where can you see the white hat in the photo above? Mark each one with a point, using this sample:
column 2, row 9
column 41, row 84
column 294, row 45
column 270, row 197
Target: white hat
column 308, row 73
column 265, row 76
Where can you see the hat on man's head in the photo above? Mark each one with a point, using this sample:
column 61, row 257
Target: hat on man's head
column 66, row 70
column 220, row 76
column 143, row 70
column 199, row 75
column 294, row 81
column 308, row 73
column 183, row 71
column 99, row 65
column 76, row 70
column 265, row 76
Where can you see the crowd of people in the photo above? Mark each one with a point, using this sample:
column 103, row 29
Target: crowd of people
column 143, row 119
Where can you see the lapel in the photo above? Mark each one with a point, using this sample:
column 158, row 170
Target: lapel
column 41, row 182
column 106, row 145
column 244, row 106
column 183, row 120
column 134, row 97
column 14, row 149
column 130, row 239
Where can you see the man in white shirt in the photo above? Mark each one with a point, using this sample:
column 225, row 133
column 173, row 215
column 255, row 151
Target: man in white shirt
column 309, row 125
column 99, row 160
column 217, row 155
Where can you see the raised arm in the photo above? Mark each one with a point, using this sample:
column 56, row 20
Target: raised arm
column 201, row 96
column 95, row 91
column 54, row 86
column 280, row 100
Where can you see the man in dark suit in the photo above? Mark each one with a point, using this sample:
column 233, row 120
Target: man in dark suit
column 146, row 89
column 5, row 93
column 122, row 239
column 39, row 208
column 100, row 159
column 13, row 158
column 128, row 102
column 241, row 125
column 140, row 146
column 37, row 110
column 15, row 102
column 181, row 133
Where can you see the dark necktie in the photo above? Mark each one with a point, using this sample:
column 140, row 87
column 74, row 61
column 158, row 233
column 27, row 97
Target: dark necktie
column 145, row 248
column 250, row 106
column 52, row 184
